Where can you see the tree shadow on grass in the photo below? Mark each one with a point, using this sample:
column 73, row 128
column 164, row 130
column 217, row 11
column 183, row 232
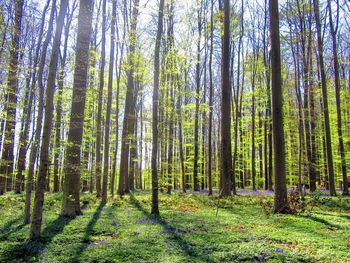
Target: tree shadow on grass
column 89, row 230
column 322, row 221
column 30, row 250
column 337, row 215
column 10, row 227
column 174, row 234
column 340, row 202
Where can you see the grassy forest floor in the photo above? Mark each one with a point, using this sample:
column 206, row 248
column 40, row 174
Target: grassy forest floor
column 191, row 230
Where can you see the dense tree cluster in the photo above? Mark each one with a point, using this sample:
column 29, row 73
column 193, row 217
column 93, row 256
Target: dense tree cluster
column 114, row 96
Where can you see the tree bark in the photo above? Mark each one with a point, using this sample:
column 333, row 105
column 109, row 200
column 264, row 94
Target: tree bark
column 281, row 202
column 33, row 152
column 226, row 150
column 100, row 102
column 129, row 109
column 211, row 91
column 7, row 158
column 109, row 104
column 71, row 194
column 60, row 82
column 325, row 100
column 155, row 105
column 334, row 29
column 48, row 120
column 196, row 117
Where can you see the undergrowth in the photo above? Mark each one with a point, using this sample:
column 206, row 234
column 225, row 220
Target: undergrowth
column 192, row 228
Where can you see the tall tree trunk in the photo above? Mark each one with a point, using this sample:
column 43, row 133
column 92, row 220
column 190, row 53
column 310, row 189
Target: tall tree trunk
column 39, row 118
column 325, row 100
column 48, row 120
column 100, row 102
column 211, row 91
column 57, row 151
column 92, row 80
column 180, row 137
column 109, row 104
column 25, row 125
column 281, row 202
column 171, row 137
column 155, row 106
column 7, row 158
column 196, row 117
column 118, row 74
column 268, row 123
column 71, row 195
column 253, row 126
column 261, row 169
column 226, row 150
column 238, row 95
column 334, row 29
column 129, row 109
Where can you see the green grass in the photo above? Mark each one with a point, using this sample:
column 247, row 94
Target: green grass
column 189, row 231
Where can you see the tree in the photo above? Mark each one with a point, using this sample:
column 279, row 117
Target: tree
column 71, row 191
column 198, row 84
column 60, row 83
column 334, row 29
column 100, row 102
column 38, row 126
column 155, row 106
column 281, row 202
column 226, row 150
column 109, row 104
column 7, row 158
column 129, row 108
column 325, row 100
column 211, row 91
column 48, row 120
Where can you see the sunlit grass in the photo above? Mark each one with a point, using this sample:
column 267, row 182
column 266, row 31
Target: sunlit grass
column 190, row 229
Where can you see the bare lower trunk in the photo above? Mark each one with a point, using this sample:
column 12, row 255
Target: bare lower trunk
column 155, row 105
column 71, row 195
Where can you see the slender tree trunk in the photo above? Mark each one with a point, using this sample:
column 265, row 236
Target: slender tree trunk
column 109, row 104
column 268, row 123
column 253, row 127
column 133, row 157
column 171, row 137
column 314, row 155
column 100, row 102
column 211, row 91
column 58, row 120
column 180, row 137
column 334, row 29
column 155, row 107
column 129, row 109
column 196, row 117
column 48, row 120
column 23, row 141
column 39, row 118
column 236, row 98
column 141, row 144
column 118, row 74
column 71, row 194
column 325, row 100
column 7, row 158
